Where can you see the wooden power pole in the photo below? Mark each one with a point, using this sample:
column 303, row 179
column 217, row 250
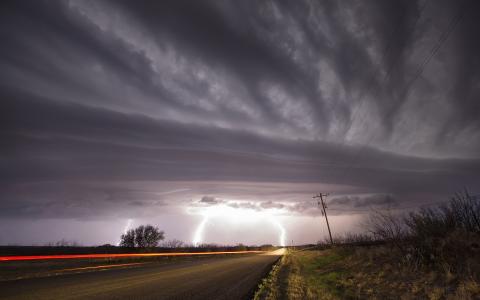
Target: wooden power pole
column 321, row 203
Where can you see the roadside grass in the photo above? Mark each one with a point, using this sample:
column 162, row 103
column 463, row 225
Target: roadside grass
column 270, row 287
column 375, row 272
column 306, row 275
column 322, row 272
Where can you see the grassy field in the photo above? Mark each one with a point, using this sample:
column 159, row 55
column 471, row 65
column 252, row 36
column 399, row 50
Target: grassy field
column 361, row 273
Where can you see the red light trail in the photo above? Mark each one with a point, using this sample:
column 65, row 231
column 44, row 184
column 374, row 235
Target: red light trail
column 102, row 267
column 86, row 256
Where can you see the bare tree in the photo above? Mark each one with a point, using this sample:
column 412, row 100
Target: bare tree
column 143, row 236
column 152, row 235
column 128, row 239
column 140, row 236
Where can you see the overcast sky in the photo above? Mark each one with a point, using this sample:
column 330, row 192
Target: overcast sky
column 231, row 114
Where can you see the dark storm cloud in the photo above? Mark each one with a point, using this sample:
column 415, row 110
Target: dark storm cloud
column 341, row 205
column 108, row 145
column 210, row 200
column 262, row 45
column 363, row 202
column 244, row 205
column 208, row 35
column 79, row 200
column 286, row 92
column 466, row 70
column 271, row 204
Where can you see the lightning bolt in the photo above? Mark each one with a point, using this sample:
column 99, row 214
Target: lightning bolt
column 283, row 232
column 127, row 227
column 197, row 239
column 225, row 211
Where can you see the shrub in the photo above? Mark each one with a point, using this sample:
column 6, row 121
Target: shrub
column 446, row 235
column 173, row 244
column 388, row 227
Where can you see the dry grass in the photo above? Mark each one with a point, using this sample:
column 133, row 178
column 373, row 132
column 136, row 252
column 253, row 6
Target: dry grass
column 362, row 273
column 378, row 273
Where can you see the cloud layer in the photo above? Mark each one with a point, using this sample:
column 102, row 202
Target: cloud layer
column 118, row 103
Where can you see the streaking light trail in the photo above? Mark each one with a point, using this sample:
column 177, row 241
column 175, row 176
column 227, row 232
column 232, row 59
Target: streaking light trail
column 83, row 256
column 102, row 267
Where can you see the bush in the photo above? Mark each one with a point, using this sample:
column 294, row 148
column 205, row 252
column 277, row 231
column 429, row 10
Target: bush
column 173, row 244
column 388, row 227
column 447, row 235
column 354, row 239
column 448, row 230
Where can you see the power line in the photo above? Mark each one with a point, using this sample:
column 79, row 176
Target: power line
column 386, row 51
column 391, row 67
column 442, row 39
column 387, row 75
column 373, row 75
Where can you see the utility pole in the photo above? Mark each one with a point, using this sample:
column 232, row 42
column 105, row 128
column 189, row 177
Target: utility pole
column 324, row 212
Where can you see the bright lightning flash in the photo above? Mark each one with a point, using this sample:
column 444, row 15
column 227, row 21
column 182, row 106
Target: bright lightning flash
column 234, row 215
column 197, row 239
column 127, row 227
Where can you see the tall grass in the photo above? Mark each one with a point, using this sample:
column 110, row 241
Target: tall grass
column 447, row 235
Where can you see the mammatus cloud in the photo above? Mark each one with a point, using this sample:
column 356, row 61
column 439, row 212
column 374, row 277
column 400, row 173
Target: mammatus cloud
column 109, row 106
